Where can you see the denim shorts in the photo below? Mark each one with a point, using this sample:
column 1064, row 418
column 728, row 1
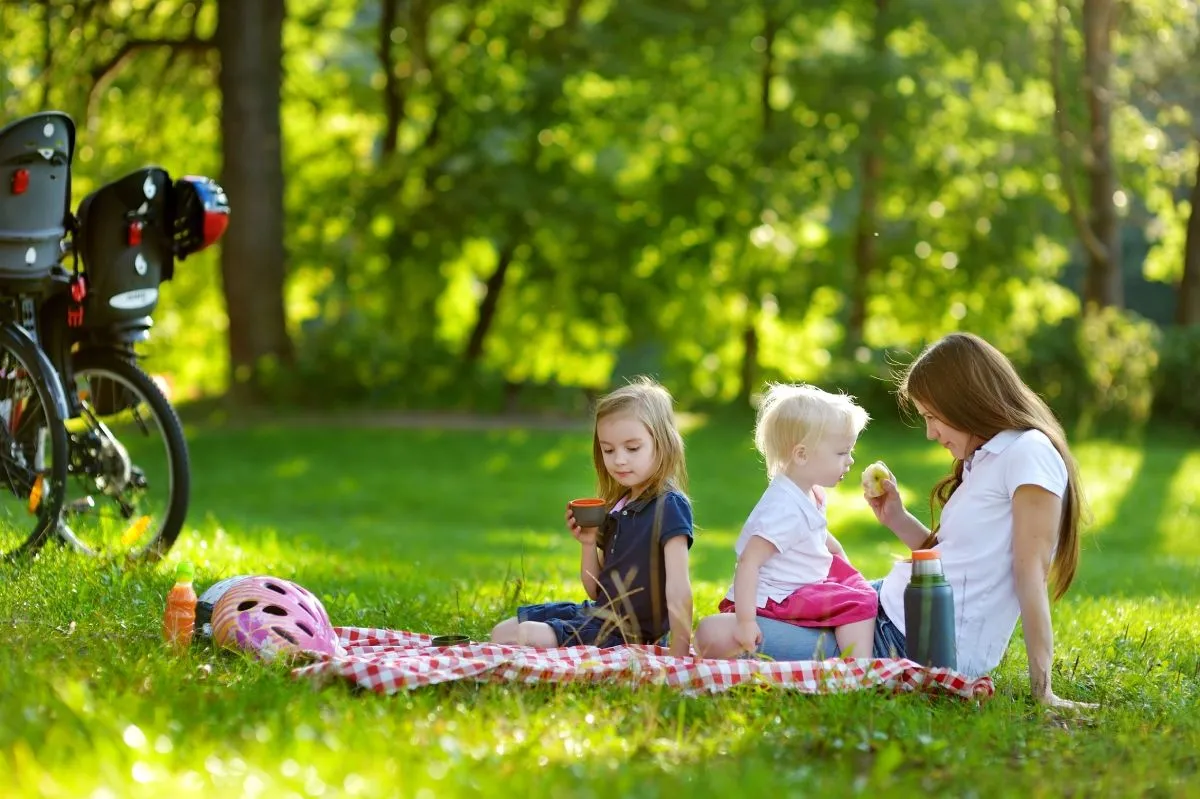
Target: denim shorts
column 574, row 623
column 889, row 641
column 785, row 641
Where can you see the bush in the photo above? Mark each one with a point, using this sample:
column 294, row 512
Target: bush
column 1096, row 370
column 353, row 361
column 1177, row 381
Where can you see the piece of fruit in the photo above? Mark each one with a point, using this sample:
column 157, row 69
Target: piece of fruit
column 873, row 477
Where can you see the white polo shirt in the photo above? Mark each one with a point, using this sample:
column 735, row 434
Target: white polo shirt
column 976, row 544
column 788, row 518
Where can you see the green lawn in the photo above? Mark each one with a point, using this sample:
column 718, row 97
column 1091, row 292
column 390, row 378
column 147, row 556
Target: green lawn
column 439, row 530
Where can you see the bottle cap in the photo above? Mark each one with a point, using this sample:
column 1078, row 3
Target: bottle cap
column 184, row 572
column 926, row 554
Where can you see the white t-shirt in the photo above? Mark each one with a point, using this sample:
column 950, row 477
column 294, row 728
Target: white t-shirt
column 976, row 544
column 788, row 518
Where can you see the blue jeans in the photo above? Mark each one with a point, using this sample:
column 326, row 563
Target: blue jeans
column 574, row 623
column 783, row 641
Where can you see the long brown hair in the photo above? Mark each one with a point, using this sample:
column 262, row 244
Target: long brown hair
column 651, row 404
column 971, row 386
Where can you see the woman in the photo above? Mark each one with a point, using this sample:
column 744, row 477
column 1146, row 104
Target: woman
column 1008, row 516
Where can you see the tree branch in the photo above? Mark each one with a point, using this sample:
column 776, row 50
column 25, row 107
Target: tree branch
column 1063, row 137
column 573, row 11
column 770, row 28
column 491, row 299
column 106, row 71
column 445, row 102
column 393, row 89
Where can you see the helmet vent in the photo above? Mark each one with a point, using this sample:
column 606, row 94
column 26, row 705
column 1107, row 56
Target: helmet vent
column 247, row 604
column 275, row 610
column 282, row 633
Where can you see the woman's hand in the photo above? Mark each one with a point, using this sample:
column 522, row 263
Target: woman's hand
column 748, row 636
column 1050, row 700
column 584, row 535
column 888, row 507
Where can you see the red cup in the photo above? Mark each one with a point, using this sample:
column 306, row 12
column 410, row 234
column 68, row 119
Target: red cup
column 589, row 512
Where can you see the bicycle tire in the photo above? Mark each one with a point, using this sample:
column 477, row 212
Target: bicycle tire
column 124, row 367
column 49, row 393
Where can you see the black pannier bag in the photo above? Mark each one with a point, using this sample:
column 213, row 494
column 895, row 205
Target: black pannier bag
column 124, row 241
column 35, row 198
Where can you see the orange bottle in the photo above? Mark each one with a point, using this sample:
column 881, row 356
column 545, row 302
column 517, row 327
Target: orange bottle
column 179, row 621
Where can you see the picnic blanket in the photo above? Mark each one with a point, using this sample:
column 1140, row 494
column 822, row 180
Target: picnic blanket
column 388, row 661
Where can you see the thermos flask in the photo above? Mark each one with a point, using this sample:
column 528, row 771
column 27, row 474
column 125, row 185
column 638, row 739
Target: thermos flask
column 929, row 612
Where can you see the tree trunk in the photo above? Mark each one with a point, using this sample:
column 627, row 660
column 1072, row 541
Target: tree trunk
column 867, row 228
column 542, row 112
column 749, row 363
column 749, row 370
column 393, row 89
column 249, row 36
column 1187, row 312
column 491, row 300
column 1102, row 284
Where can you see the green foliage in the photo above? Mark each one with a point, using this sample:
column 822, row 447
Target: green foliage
column 1177, row 380
column 1097, row 369
column 446, row 530
column 680, row 175
column 347, row 362
column 871, row 377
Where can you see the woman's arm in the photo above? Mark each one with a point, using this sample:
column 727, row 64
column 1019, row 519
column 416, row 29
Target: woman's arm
column 679, row 595
column 890, row 511
column 1036, row 514
column 911, row 531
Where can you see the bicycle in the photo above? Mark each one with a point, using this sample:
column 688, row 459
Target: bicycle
column 127, row 234
column 35, row 192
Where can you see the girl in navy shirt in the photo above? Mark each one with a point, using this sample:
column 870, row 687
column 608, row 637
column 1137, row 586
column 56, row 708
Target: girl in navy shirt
column 634, row 567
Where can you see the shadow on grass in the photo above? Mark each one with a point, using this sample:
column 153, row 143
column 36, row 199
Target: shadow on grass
column 1127, row 557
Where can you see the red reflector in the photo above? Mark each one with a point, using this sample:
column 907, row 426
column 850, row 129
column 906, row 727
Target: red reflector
column 20, row 181
column 214, row 226
column 135, row 234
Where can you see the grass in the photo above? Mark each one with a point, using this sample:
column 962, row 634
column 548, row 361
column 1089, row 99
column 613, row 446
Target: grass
column 443, row 531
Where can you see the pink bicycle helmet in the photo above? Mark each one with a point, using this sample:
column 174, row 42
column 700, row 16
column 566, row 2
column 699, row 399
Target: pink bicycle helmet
column 269, row 616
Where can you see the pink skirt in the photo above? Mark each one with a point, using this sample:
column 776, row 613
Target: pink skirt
column 843, row 597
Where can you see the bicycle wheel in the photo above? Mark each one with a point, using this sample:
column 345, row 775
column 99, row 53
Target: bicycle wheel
column 33, row 444
column 127, row 491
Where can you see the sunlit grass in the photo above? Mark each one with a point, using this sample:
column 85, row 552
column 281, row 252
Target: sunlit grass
column 445, row 531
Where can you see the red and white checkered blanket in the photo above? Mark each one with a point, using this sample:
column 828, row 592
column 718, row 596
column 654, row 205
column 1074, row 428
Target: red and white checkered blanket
column 387, row 661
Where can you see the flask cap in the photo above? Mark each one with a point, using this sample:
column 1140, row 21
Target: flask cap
column 926, row 563
column 184, row 572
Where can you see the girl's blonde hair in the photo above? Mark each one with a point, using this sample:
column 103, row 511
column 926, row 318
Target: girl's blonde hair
column 651, row 404
column 970, row 385
column 791, row 415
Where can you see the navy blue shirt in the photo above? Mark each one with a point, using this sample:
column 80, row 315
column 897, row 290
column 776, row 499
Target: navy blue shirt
column 632, row 581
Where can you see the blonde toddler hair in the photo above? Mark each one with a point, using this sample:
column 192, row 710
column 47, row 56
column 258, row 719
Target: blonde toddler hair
column 790, row 415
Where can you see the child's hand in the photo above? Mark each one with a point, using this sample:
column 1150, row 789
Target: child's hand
column 584, row 535
column 748, row 636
